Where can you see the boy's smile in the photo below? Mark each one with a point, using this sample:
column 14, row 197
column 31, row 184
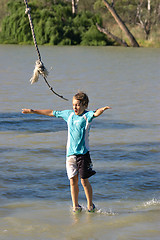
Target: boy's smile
column 78, row 107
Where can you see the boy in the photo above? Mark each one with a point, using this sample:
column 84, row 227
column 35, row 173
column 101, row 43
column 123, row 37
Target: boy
column 78, row 160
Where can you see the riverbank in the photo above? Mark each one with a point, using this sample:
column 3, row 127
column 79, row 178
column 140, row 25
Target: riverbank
column 52, row 29
column 153, row 41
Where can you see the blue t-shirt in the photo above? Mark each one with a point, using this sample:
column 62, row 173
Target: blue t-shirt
column 78, row 130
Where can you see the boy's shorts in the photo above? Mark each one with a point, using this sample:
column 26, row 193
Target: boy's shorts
column 81, row 164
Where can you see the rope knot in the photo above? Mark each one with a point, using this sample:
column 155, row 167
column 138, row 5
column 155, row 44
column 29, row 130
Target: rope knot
column 39, row 69
column 28, row 10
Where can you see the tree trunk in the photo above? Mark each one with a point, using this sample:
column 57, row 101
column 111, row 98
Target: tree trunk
column 122, row 25
column 74, row 6
column 144, row 22
column 149, row 5
column 110, row 35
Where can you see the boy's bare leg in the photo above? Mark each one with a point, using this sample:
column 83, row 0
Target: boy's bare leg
column 88, row 192
column 74, row 191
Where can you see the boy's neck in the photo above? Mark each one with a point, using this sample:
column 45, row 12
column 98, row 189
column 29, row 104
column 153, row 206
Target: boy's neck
column 82, row 113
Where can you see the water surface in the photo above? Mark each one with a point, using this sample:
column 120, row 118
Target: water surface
column 124, row 143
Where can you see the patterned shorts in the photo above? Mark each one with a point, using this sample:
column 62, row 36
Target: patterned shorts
column 79, row 164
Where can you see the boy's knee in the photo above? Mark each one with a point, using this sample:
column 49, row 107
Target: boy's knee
column 84, row 182
column 74, row 181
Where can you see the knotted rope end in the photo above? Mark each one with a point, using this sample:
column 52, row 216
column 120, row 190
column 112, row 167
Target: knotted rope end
column 39, row 69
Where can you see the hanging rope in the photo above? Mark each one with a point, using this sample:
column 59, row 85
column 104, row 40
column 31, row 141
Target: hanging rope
column 39, row 67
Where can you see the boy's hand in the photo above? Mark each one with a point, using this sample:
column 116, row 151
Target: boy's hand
column 107, row 107
column 99, row 111
column 27, row 110
column 47, row 112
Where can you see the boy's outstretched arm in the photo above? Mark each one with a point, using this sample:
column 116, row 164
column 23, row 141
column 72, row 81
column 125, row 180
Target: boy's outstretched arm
column 47, row 112
column 99, row 111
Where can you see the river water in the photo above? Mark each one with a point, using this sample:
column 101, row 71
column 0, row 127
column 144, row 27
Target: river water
column 35, row 201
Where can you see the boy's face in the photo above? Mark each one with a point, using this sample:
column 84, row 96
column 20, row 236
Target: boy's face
column 78, row 107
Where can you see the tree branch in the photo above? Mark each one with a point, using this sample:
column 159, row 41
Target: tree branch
column 121, row 24
column 110, row 35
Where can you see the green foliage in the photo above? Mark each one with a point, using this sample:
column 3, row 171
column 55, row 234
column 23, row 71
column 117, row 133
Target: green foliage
column 85, row 23
column 15, row 27
column 53, row 23
column 93, row 37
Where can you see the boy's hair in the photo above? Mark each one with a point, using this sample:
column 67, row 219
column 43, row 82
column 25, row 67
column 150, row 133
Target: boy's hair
column 82, row 97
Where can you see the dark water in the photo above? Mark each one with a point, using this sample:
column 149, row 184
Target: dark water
column 127, row 171
column 124, row 144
